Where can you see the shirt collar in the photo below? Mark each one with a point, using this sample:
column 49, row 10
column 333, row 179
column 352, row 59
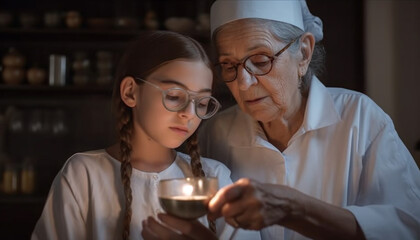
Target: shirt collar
column 320, row 109
column 320, row 112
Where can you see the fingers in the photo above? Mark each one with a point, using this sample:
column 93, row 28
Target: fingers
column 222, row 197
column 184, row 226
column 244, row 213
column 252, row 220
column 175, row 228
column 232, row 221
column 242, row 205
column 191, row 228
column 150, row 228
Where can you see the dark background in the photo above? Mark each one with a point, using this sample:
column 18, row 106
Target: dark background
column 87, row 108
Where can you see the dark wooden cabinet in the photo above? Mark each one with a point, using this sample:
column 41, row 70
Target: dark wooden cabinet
column 56, row 122
column 45, row 123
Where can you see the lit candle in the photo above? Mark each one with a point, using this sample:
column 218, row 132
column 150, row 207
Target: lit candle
column 187, row 189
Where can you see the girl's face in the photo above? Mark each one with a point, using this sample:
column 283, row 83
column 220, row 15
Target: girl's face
column 152, row 120
column 268, row 97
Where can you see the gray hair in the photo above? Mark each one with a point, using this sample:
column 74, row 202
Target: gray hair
column 286, row 33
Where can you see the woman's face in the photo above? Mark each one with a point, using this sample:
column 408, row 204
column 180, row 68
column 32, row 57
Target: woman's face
column 268, row 97
column 167, row 128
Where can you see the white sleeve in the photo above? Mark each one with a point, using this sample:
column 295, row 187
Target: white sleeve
column 61, row 217
column 388, row 202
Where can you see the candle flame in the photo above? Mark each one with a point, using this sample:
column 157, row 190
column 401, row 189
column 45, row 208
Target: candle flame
column 187, row 189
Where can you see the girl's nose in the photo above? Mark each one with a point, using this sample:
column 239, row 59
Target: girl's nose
column 189, row 110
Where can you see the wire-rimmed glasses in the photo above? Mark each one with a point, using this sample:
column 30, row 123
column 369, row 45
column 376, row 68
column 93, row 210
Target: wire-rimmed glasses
column 256, row 65
column 176, row 99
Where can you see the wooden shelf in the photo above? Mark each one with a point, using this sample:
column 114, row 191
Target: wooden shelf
column 21, row 199
column 48, row 96
column 41, row 89
column 81, row 34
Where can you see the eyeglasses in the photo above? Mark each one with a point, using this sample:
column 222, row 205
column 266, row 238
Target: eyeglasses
column 176, row 99
column 256, row 65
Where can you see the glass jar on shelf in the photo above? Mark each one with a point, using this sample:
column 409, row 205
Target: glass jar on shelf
column 10, row 178
column 28, row 176
column 4, row 158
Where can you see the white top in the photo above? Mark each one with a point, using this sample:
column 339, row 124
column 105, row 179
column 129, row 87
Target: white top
column 86, row 198
column 346, row 153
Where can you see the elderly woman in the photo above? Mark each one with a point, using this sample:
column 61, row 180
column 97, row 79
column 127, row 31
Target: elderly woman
column 312, row 161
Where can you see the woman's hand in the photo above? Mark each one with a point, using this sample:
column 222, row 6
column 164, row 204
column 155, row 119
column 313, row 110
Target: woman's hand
column 187, row 229
column 252, row 205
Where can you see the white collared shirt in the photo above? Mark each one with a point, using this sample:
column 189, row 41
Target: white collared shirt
column 346, row 153
column 87, row 197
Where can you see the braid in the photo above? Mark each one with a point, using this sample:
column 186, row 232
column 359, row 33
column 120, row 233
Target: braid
column 193, row 151
column 196, row 167
column 125, row 132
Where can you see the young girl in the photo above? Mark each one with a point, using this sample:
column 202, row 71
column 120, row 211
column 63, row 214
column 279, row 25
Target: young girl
column 161, row 94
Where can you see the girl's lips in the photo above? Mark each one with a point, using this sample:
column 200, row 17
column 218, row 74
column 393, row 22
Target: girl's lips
column 180, row 130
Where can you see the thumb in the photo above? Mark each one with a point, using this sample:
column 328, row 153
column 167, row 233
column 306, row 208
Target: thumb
column 223, row 196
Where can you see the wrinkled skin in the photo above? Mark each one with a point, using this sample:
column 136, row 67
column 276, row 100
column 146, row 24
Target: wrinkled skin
column 253, row 205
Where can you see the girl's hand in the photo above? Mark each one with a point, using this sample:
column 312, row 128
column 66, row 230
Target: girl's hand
column 175, row 228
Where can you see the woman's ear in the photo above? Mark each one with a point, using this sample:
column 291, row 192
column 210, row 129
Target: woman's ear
column 307, row 49
column 128, row 90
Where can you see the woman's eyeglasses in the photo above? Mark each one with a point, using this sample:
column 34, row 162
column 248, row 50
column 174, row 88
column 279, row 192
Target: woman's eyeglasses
column 256, row 65
column 176, row 99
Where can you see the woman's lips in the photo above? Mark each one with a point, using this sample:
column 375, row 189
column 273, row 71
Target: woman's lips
column 254, row 101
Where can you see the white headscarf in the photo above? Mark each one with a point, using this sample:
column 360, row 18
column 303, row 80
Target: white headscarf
column 294, row 12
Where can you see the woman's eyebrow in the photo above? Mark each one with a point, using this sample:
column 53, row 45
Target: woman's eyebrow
column 170, row 81
column 248, row 50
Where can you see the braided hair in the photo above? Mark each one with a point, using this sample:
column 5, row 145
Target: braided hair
column 149, row 51
column 196, row 167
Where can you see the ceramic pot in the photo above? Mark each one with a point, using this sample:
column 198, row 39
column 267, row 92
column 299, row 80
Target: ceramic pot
column 13, row 75
column 14, row 59
column 36, row 75
column 73, row 19
column 52, row 19
column 28, row 20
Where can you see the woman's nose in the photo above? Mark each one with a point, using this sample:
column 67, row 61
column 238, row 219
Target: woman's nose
column 245, row 79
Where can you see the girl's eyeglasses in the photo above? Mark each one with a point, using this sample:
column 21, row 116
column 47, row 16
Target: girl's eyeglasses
column 176, row 99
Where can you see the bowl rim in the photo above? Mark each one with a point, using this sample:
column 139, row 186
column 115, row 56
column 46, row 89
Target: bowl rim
column 187, row 178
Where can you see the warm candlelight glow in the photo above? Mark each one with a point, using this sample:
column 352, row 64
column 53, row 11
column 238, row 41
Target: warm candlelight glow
column 200, row 184
column 187, row 198
column 187, row 189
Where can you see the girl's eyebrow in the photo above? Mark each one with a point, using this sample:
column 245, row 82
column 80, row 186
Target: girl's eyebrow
column 170, row 81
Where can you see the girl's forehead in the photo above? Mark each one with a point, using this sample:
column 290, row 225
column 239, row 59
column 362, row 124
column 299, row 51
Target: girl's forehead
column 194, row 75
